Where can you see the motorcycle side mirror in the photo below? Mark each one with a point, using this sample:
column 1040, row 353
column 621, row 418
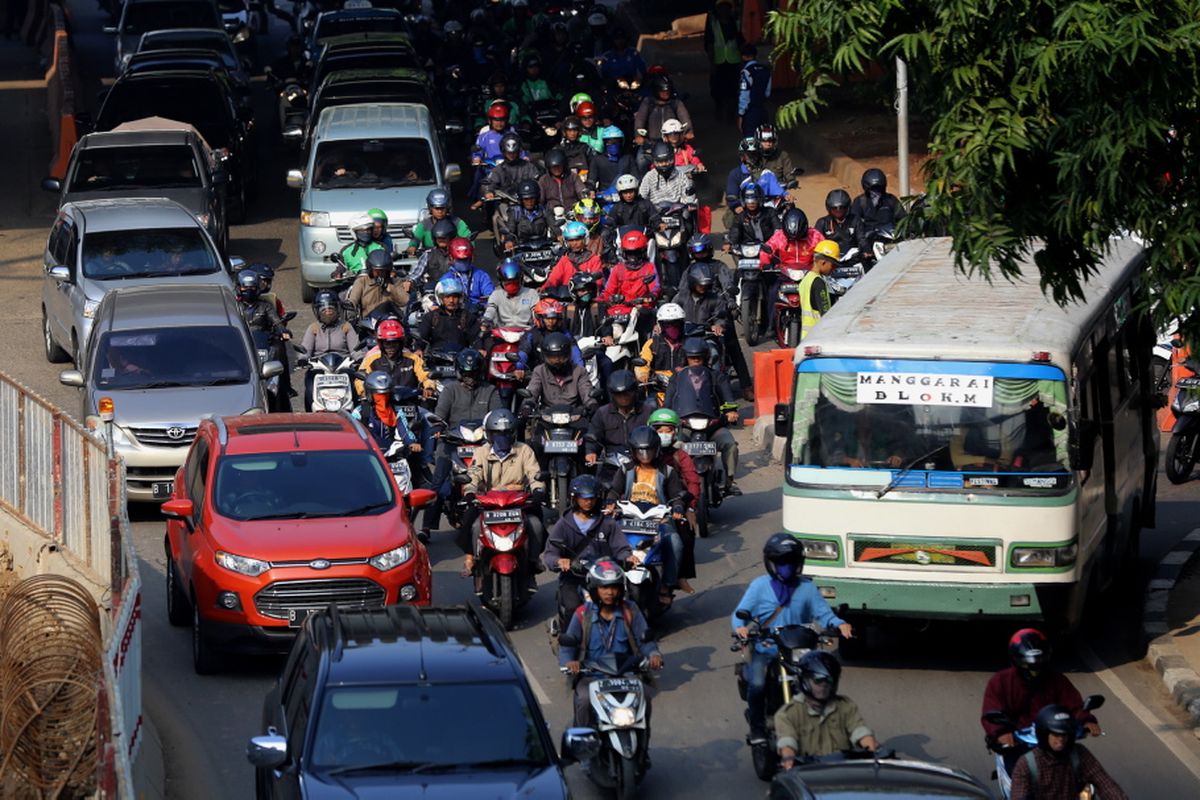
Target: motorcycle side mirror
column 360, row 375
column 781, row 420
column 637, row 362
column 1093, row 701
column 525, row 393
column 542, row 475
column 649, row 279
column 288, row 317
column 744, row 615
column 461, row 478
column 512, row 358
column 567, row 640
column 419, row 498
column 302, row 361
column 301, row 349
column 998, row 718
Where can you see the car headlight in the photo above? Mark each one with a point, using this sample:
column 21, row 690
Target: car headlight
column 820, row 549
column 622, row 717
column 241, row 564
column 89, row 308
column 315, row 219
column 1045, row 557
column 392, row 558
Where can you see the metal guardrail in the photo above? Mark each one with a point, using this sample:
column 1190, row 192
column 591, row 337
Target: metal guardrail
column 57, row 479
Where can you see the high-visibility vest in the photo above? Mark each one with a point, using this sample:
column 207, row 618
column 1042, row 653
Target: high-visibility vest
column 724, row 52
column 809, row 314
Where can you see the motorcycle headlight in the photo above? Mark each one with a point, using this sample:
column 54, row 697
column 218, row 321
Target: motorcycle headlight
column 697, row 423
column 622, row 717
column 89, row 308
column 550, row 130
column 242, row 35
column 1192, row 406
column 502, row 543
column 314, row 219
column 560, row 418
column 392, row 558
column 241, row 564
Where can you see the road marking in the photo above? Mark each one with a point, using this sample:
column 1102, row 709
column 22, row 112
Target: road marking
column 538, row 691
column 1147, row 717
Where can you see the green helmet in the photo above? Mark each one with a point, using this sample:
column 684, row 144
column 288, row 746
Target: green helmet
column 579, row 97
column 663, row 416
column 378, row 215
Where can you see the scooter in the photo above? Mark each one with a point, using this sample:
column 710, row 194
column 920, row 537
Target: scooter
column 624, row 322
column 1183, row 449
column 787, row 307
column 752, row 278
column 671, row 258
column 466, row 437
column 783, row 678
column 502, row 361
column 332, row 385
column 696, row 441
column 562, row 442
column 501, row 565
column 642, row 524
column 271, row 347
column 1024, row 740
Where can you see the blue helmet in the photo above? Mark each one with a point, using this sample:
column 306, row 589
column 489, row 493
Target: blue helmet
column 448, row 284
column 574, row 230
column 700, row 244
column 438, row 198
column 612, row 132
column 509, row 270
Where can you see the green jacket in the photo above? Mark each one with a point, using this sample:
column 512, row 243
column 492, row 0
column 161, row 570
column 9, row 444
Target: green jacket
column 355, row 256
column 533, row 91
column 422, row 235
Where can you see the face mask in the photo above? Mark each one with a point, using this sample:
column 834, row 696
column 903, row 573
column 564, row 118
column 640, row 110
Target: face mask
column 672, row 330
column 362, row 237
column 666, row 439
column 786, row 572
column 613, row 151
column 664, row 171
column 502, row 443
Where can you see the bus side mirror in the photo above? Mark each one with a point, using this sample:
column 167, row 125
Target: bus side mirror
column 781, row 420
column 1084, row 447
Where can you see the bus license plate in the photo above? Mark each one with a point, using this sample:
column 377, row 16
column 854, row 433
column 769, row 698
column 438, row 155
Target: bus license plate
column 570, row 446
column 700, row 448
column 502, row 516
column 162, row 490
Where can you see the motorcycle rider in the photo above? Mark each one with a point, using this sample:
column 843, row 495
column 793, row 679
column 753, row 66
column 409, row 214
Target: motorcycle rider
column 701, row 250
column 814, row 292
column 379, row 233
column 509, row 172
column 559, row 380
column 662, row 104
column 875, row 207
column 701, row 301
column 1059, row 766
column 615, row 162
column 754, row 223
column 774, row 157
column 498, row 93
column 533, row 87
column 649, row 478
column 504, row 463
column 581, row 536
column 379, row 415
column 781, row 597
column 667, row 183
column 378, row 287
column 579, row 154
column 406, row 368
column 528, row 220
column 292, row 65
column 663, row 351
column 559, row 186
column 631, row 209
column 820, row 722
column 453, row 324
column 510, row 305
column 578, row 258
column 791, row 246
column 488, row 148
column 354, row 255
column 266, row 277
column 836, row 223
column 612, row 423
column 627, row 278
column 621, row 58
column 329, row 334
column 698, row 387
column 439, row 206
column 666, row 423
column 610, row 625
column 260, row 314
column 438, row 258
column 589, row 131
column 549, row 316
column 685, row 154
column 476, row 283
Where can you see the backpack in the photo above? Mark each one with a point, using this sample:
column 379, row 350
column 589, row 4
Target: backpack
column 1031, row 762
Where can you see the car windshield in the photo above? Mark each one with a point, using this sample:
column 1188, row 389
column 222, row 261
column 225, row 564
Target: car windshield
column 297, row 485
column 327, row 27
column 218, row 42
column 143, row 17
column 167, row 166
column 391, row 58
column 169, row 357
column 373, row 163
column 376, row 727
column 152, row 253
column 197, row 102
column 231, row 6
column 987, row 425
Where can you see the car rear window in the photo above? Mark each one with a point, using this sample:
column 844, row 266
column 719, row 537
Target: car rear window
column 218, row 41
column 143, row 17
column 303, row 485
column 151, row 253
column 164, row 166
column 197, row 102
column 328, row 28
column 375, row 163
column 164, row 358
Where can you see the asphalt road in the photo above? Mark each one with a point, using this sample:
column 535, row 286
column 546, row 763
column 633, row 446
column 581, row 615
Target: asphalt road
column 920, row 689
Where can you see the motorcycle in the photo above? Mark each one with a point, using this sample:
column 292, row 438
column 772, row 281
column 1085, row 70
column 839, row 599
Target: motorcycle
column 271, row 347
column 466, row 437
column 1183, row 449
column 561, row 439
column 408, row 404
column 787, row 307
column 332, row 387
column 697, row 442
column 543, row 131
column 624, row 322
column 537, row 258
column 502, row 361
column 501, row 566
column 1024, row 740
column 671, row 258
column 752, row 278
column 642, row 524
column 792, row 642
column 292, row 106
column 849, row 271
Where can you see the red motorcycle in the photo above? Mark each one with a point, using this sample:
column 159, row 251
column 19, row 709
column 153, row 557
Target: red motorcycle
column 502, row 564
column 787, row 306
column 502, row 361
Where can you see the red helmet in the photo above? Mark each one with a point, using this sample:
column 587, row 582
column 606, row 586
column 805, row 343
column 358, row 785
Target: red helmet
column 657, row 69
column 585, row 109
column 389, row 330
column 548, row 307
column 498, row 111
column 461, row 249
column 634, row 240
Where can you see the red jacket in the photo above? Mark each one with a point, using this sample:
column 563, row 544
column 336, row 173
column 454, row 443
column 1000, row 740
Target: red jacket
column 685, row 156
column 1020, row 701
column 793, row 254
column 687, row 470
column 628, row 282
column 565, row 269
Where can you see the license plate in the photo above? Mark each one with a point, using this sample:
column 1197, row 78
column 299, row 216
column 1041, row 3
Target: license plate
column 669, row 221
column 562, row 447
column 618, row 685
column 700, row 448
column 748, row 264
column 466, row 452
column 790, row 288
column 162, row 490
column 296, row 616
column 330, row 381
column 537, row 255
column 641, row 525
column 502, row 516
column 408, row 411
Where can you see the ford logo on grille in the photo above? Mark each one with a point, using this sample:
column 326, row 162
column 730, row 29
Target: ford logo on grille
column 319, row 563
column 176, row 433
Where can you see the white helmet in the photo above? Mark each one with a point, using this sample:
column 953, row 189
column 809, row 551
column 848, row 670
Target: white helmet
column 670, row 312
column 362, row 221
column 672, row 126
column 626, row 182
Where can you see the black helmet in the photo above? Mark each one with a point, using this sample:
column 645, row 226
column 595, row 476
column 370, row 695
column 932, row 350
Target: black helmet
column 795, row 224
column 324, row 300
column 468, row 363
column 247, row 285
column 584, row 286
column 510, row 143
column 750, row 146
column 663, row 152
column 379, row 382
column 1029, row 651
column 662, row 83
column 379, row 259
column 644, row 441
column 751, row 192
column 819, row 666
column 694, row 346
column 499, row 421
column 555, row 157
column 444, row 229
column 1055, row 719
column 585, row 486
column 557, row 345
column 605, row 572
column 527, row 189
column 265, row 271
column 622, row 381
column 783, row 549
column 700, row 275
column 874, row 179
column 838, row 198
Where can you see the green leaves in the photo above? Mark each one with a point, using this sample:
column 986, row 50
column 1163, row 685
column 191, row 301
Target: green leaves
column 1049, row 124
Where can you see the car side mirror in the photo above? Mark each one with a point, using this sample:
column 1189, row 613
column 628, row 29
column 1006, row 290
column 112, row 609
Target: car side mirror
column 179, row 509
column 236, row 264
column 219, row 177
column 60, row 273
column 452, row 172
column 270, row 369
column 579, row 744
column 51, row 184
column 781, row 420
column 295, row 179
column 419, row 498
column 267, row 752
column 71, row 377
column 293, row 133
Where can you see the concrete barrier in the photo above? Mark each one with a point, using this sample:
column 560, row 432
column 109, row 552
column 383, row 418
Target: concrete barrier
column 60, row 95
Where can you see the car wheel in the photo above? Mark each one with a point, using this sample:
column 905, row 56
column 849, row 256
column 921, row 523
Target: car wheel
column 308, row 292
column 74, row 354
column 204, row 658
column 179, row 607
column 54, row 353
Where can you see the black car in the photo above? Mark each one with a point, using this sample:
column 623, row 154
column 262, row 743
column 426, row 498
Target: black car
column 364, row 51
column 884, row 778
column 404, row 702
column 205, row 99
column 189, row 58
column 355, row 20
column 351, row 86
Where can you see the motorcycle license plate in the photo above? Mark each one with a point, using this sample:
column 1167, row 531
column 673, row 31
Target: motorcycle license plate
column 466, row 452
column 700, row 448
column 553, row 446
column 296, row 616
column 789, row 288
column 641, row 526
column 669, row 221
column 748, row 264
column 618, row 685
column 338, row 381
column 162, row 490
column 502, row 516
column 537, row 255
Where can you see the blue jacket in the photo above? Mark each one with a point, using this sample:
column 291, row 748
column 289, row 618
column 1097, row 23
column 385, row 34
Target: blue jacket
column 754, row 87
column 613, row 65
column 739, row 176
column 478, row 284
column 806, row 606
column 487, row 143
column 602, row 639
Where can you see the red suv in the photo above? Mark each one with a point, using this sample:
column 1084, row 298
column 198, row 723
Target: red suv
column 273, row 517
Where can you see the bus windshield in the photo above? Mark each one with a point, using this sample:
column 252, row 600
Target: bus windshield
column 930, row 425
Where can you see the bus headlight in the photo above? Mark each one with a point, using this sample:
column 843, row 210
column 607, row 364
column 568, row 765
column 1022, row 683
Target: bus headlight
column 820, row 549
column 1044, row 557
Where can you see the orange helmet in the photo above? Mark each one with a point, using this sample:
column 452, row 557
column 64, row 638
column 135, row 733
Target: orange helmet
column 548, row 307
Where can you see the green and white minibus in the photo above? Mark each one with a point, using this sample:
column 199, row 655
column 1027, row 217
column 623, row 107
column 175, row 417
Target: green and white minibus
column 964, row 449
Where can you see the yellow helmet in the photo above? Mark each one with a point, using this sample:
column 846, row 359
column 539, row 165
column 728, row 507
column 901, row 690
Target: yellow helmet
column 829, row 249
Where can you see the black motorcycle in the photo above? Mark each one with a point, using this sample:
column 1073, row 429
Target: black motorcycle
column 670, row 240
column 561, row 439
column 537, row 258
column 755, row 280
column 1183, row 449
column 271, row 347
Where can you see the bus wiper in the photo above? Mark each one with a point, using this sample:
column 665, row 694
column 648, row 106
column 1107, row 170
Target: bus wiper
column 899, row 476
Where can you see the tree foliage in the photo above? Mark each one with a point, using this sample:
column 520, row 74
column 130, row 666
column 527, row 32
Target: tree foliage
column 1055, row 124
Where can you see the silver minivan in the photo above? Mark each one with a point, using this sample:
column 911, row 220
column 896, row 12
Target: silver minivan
column 96, row 246
column 364, row 156
column 160, row 358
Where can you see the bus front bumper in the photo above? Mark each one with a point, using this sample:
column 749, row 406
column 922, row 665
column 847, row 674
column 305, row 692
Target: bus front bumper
column 953, row 601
